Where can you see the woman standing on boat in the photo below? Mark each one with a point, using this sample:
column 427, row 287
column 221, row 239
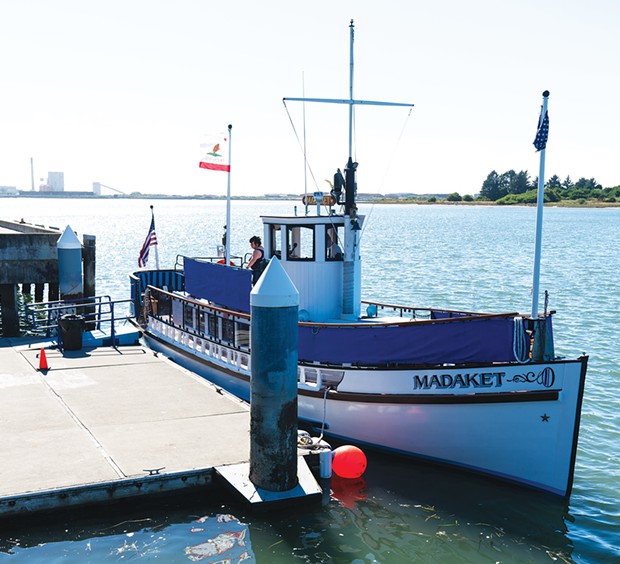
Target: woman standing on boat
column 256, row 262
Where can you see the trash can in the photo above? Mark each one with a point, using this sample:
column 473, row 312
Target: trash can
column 71, row 327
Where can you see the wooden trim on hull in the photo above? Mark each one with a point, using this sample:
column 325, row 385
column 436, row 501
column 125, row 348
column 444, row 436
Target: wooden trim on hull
column 442, row 399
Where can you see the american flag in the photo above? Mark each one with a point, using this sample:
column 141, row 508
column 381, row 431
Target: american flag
column 542, row 132
column 150, row 241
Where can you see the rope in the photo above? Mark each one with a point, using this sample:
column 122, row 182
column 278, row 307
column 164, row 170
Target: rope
column 520, row 341
column 324, row 412
column 305, row 441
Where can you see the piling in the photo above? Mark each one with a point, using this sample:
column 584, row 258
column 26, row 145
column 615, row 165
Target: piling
column 274, row 303
column 88, row 252
column 88, row 257
column 70, row 265
column 10, row 315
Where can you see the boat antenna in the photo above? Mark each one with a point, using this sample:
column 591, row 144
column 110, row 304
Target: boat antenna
column 303, row 93
column 351, row 166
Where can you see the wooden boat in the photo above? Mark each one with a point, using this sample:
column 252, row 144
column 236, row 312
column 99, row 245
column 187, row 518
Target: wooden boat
column 481, row 391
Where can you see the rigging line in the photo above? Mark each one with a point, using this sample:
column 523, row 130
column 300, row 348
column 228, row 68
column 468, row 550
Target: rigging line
column 391, row 159
column 301, row 146
column 387, row 169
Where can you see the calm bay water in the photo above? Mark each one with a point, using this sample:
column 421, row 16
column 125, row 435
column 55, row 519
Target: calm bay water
column 473, row 257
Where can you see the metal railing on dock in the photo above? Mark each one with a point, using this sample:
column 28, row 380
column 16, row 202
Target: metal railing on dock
column 95, row 312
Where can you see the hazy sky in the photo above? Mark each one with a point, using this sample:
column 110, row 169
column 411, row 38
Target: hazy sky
column 120, row 92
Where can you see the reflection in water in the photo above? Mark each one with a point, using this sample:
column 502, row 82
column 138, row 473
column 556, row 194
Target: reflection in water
column 228, row 540
column 348, row 490
column 397, row 512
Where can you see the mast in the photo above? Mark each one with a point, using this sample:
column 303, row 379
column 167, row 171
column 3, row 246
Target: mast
column 351, row 274
column 351, row 66
column 349, row 173
column 351, row 166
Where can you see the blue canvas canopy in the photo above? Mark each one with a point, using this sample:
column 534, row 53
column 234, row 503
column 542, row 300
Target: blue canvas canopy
column 470, row 339
column 226, row 286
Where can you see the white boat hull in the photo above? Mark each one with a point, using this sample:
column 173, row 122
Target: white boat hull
column 514, row 422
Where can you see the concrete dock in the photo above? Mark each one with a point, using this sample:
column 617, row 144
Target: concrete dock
column 105, row 423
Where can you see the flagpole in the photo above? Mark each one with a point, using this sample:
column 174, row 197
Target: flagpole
column 539, row 214
column 227, row 256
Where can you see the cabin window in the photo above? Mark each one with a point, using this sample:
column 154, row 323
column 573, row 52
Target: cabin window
column 334, row 242
column 164, row 304
column 188, row 316
column 200, row 321
column 275, row 242
column 300, row 242
column 212, row 325
column 243, row 335
column 228, row 330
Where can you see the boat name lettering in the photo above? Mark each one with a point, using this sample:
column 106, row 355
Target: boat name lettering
column 450, row 381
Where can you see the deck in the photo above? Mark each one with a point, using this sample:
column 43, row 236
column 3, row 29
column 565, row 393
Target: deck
column 109, row 422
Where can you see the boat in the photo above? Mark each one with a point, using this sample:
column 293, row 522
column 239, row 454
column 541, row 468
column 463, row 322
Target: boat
column 480, row 391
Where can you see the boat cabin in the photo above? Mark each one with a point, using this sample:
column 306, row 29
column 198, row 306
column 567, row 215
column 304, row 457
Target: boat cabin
column 318, row 255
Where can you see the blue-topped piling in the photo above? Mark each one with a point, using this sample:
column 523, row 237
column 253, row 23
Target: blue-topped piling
column 274, row 303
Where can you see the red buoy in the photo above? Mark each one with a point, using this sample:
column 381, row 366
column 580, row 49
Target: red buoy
column 349, row 462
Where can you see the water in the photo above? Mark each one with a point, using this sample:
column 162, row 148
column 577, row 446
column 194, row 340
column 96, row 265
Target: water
column 461, row 257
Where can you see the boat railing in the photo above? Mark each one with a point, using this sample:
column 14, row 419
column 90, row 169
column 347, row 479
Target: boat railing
column 169, row 279
column 423, row 313
column 94, row 312
column 221, row 335
column 199, row 318
column 219, row 259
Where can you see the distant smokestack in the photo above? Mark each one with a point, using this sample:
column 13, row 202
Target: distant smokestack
column 31, row 174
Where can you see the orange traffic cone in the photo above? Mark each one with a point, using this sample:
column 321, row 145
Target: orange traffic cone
column 43, row 361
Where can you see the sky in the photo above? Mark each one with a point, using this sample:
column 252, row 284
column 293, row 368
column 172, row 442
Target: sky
column 121, row 92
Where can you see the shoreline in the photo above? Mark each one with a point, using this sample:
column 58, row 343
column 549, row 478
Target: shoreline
column 293, row 197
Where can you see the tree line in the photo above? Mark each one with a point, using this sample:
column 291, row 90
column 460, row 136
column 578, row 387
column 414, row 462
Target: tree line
column 517, row 188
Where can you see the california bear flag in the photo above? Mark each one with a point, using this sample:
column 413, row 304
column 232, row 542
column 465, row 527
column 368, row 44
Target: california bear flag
column 214, row 150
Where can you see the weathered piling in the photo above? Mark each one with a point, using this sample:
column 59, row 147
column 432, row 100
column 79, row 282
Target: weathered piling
column 70, row 265
column 274, row 304
column 88, row 257
column 10, row 315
